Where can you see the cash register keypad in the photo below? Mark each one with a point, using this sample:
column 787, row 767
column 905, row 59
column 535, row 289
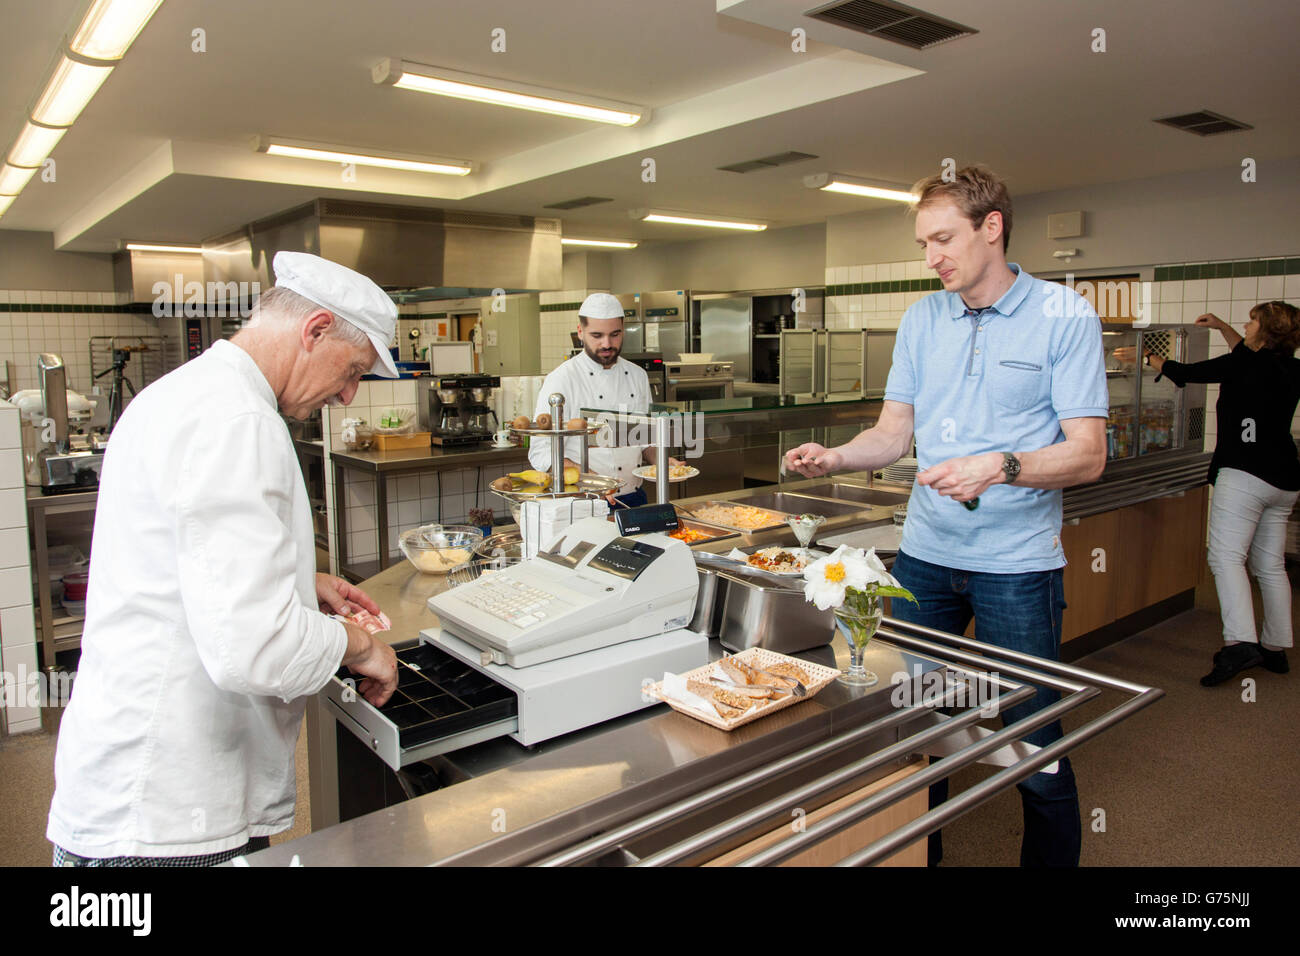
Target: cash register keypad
column 515, row 602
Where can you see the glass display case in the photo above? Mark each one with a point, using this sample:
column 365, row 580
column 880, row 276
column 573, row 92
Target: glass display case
column 1149, row 416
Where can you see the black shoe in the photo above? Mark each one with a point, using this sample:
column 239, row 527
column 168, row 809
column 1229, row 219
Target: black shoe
column 1232, row 660
column 1274, row 661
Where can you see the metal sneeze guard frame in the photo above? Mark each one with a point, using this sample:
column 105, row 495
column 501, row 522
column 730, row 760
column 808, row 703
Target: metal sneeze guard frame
column 988, row 663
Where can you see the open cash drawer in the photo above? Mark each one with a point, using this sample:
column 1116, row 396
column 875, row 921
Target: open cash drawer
column 440, row 705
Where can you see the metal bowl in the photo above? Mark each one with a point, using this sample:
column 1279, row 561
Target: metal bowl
column 439, row 548
column 503, row 544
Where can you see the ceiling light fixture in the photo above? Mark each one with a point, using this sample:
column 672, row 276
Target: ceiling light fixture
column 482, row 89
column 34, row 144
column 154, row 247
column 713, row 222
column 332, row 154
column 14, row 178
column 111, row 26
column 102, row 38
column 602, row 243
column 5, row 203
column 835, row 183
column 72, row 86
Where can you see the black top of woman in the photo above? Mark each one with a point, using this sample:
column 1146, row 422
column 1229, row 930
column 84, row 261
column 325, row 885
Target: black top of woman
column 1256, row 403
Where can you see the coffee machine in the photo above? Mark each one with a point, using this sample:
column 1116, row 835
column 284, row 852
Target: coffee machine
column 458, row 409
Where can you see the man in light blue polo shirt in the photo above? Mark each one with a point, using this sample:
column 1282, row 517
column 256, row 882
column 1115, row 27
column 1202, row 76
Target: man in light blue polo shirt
column 1001, row 379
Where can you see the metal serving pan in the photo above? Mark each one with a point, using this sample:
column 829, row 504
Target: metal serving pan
column 778, row 517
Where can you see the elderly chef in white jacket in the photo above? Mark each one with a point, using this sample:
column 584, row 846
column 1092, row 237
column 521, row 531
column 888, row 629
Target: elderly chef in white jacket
column 599, row 378
column 207, row 625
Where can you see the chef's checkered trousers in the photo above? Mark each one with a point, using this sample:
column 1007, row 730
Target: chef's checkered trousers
column 64, row 858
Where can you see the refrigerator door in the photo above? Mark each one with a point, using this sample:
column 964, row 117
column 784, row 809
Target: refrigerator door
column 844, row 360
column 725, row 331
column 879, row 358
column 633, row 336
column 797, row 362
column 666, row 337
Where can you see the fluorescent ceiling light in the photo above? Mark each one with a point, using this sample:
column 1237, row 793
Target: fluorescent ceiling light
column 649, row 215
column 151, row 247
column 482, row 89
column 14, row 178
column 835, row 183
column 34, row 143
column 111, row 26
column 603, row 243
column 5, row 203
column 448, row 167
column 72, row 86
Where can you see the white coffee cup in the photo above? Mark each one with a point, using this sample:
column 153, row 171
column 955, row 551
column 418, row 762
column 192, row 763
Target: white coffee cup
column 501, row 436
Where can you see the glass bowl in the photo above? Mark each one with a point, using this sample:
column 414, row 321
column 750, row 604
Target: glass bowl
column 439, row 548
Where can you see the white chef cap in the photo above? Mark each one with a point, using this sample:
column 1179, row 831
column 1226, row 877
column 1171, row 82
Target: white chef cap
column 349, row 295
column 601, row 305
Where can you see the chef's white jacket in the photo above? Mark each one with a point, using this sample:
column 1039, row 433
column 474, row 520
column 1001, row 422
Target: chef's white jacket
column 202, row 636
column 585, row 383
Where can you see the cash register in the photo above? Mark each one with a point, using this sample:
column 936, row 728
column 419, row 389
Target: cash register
column 545, row 647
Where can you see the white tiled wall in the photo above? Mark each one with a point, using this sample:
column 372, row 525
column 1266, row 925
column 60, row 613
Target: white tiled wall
column 877, row 311
column 556, row 326
column 23, row 335
column 413, row 500
column 17, row 624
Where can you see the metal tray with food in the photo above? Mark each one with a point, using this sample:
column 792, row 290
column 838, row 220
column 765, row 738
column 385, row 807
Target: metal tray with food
column 740, row 517
column 586, row 485
column 693, row 532
column 732, row 704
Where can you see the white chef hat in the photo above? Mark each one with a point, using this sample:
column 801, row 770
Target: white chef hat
column 349, row 295
column 601, row 305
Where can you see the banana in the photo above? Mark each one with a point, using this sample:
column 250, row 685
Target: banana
column 571, row 475
column 531, row 477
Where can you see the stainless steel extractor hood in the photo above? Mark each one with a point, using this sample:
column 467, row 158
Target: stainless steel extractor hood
column 417, row 252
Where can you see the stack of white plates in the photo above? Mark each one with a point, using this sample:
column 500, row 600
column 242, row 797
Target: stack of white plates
column 901, row 472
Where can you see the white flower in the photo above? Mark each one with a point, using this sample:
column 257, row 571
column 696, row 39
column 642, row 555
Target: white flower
column 878, row 573
column 827, row 578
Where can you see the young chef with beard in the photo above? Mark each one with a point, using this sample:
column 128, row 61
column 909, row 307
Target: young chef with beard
column 598, row 378
column 1000, row 377
column 206, row 622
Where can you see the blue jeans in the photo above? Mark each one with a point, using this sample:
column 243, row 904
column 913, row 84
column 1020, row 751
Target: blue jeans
column 1021, row 612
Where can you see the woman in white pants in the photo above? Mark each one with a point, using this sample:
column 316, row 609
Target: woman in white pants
column 1256, row 476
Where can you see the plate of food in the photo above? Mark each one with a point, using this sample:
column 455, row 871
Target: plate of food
column 735, row 691
column 675, row 472
column 788, row 562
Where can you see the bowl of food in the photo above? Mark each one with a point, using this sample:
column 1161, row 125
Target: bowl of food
column 439, row 548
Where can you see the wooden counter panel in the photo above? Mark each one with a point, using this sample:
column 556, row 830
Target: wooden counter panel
column 856, row 837
column 1090, row 591
column 1161, row 549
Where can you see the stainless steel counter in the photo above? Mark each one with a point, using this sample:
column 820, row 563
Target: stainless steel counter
column 646, row 774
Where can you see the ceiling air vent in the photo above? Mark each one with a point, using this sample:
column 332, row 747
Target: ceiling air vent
column 892, row 21
column 1204, row 123
column 767, row 162
column 579, row 202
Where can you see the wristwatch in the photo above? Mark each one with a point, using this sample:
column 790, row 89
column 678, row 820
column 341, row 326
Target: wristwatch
column 1010, row 467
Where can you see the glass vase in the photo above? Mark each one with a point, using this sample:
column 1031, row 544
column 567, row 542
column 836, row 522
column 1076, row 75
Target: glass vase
column 858, row 625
